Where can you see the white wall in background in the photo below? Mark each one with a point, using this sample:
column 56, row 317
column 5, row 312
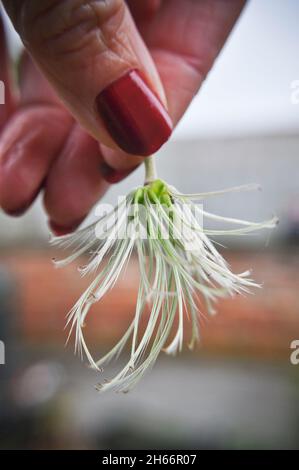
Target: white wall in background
column 249, row 90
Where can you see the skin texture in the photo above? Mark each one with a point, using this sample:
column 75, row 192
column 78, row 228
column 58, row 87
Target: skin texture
column 51, row 137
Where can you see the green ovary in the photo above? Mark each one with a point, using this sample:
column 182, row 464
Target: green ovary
column 156, row 191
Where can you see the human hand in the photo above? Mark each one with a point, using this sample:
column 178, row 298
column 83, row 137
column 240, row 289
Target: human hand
column 74, row 127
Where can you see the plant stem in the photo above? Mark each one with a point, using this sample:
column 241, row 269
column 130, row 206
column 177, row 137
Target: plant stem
column 150, row 169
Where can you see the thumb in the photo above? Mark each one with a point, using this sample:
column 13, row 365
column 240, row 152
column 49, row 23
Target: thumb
column 94, row 57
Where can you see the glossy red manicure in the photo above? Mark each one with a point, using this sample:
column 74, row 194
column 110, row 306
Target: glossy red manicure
column 134, row 116
column 113, row 176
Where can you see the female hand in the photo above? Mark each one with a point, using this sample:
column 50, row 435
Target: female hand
column 108, row 81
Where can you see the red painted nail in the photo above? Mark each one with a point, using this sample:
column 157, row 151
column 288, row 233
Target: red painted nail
column 113, row 176
column 22, row 209
column 134, row 116
column 17, row 212
column 61, row 230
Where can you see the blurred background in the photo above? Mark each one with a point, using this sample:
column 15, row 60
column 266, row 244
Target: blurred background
column 238, row 389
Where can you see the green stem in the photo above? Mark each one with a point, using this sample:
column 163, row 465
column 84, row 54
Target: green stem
column 150, row 170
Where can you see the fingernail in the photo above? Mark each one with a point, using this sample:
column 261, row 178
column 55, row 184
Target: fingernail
column 22, row 209
column 113, row 176
column 60, row 230
column 134, row 116
column 17, row 212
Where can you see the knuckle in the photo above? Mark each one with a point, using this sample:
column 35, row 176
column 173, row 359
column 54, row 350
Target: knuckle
column 63, row 27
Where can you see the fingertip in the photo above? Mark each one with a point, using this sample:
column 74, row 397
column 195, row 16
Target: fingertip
column 75, row 182
column 60, row 230
column 112, row 175
column 19, row 209
column 134, row 115
column 28, row 146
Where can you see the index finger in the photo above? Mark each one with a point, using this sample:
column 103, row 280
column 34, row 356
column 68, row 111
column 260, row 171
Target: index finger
column 184, row 39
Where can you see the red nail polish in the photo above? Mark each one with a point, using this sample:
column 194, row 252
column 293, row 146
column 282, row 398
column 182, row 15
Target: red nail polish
column 60, row 230
column 113, row 176
column 22, row 209
column 17, row 212
column 134, row 116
